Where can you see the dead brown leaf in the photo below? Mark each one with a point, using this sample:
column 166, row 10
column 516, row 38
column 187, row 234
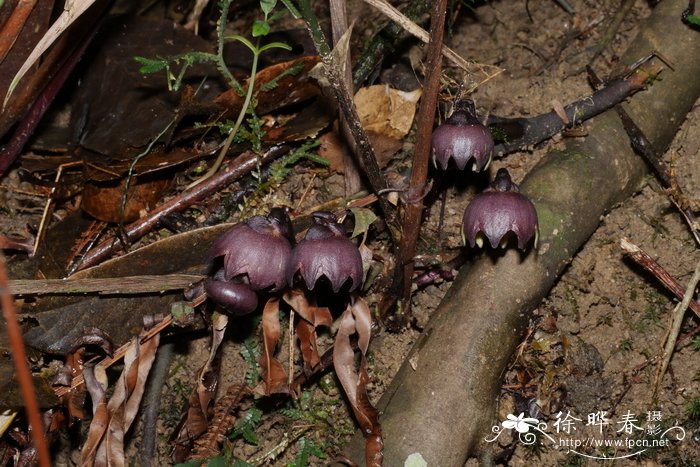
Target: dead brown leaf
column 386, row 111
column 273, row 374
column 105, row 444
column 357, row 319
column 290, row 89
column 311, row 317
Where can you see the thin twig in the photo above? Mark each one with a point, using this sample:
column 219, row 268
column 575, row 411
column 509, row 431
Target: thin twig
column 647, row 262
column 339, row 25
column 118, row 354
column 536, row 129
column 242, row 165
column 401, row 286
column 675, row 329
column 112, row 285
column 423, row 35
column 24, row 375
column 365, row 152
column 642, row 146
column 14, row 25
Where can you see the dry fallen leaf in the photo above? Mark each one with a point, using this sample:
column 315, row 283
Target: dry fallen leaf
column 386, row 111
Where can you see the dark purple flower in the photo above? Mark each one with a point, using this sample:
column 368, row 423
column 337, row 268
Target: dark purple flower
column 257, row 251
column 498, row 210
column 462, row 138
column 237, row 298
column 326, row 252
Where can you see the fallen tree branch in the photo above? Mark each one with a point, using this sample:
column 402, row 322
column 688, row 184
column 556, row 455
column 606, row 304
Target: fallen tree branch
column 444, row 407
column 527, row 132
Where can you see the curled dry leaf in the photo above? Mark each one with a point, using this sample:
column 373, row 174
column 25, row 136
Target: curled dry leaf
column 273, row 374
column 357, row 319
column 111, row 421
column 311, row 317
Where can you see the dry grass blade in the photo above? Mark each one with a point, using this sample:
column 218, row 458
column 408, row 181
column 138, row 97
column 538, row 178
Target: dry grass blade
column 73, row 10
column 675, row 329
column 357, row 319
column 489, row 71
column 273, row 374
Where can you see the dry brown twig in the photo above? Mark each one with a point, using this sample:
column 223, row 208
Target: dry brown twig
column 412, row 28
column 647, row 262
column 674, row 330
column 24, row 375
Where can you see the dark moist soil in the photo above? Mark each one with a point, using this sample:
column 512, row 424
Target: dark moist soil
column 589, row 345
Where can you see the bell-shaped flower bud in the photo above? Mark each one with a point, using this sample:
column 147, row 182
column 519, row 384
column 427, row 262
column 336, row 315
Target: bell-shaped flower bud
column 257, row 251
column 462, row 138
column 239, row 299
column 498, row 211
column 325, row 251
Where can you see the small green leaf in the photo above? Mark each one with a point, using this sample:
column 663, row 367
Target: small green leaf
column 217, row 461
column 275, row 45
column 267, row 6
column 261, row 28
column 151, row 65
column 245, row 42
column 692, row 19
column 245, row 426
column 363, row 219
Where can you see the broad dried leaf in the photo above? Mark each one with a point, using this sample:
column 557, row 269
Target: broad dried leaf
column 311, row 317
column 306, row 333
column 103, row 200
column 386, row 111
column 100, row 418
column 273, row 374
column 357, row 319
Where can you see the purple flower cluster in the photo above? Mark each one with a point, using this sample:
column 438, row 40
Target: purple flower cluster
column 498, row 211
column 259, row 257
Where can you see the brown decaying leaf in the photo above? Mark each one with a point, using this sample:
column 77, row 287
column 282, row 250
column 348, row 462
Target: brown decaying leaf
column 103, row 201
column 196, row 421
column 311, row 317
column 273, row 374
column 290, row 89
column 105, row 442
column 386, row 111
column 357, row 319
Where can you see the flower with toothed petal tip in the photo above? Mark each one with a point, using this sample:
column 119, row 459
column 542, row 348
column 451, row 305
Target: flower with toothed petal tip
column 462, row 138
column 325, row 251
column 497, row 211
column 238, row 298
column 257, row 251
